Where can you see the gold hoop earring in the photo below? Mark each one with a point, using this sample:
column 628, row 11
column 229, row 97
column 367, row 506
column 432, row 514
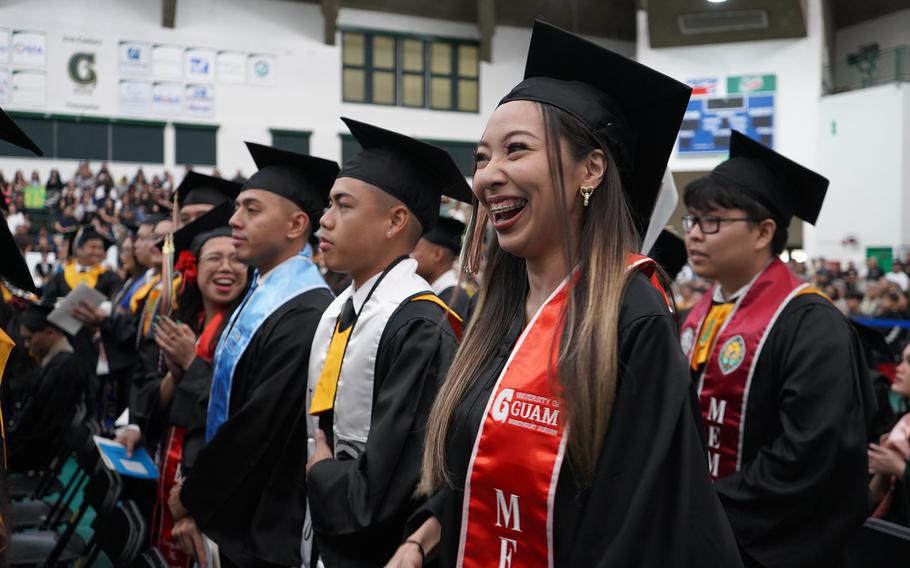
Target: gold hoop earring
column 586, row 193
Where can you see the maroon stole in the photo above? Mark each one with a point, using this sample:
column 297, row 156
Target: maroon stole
column 726, row 378
column 170, row 458
column 519, row 449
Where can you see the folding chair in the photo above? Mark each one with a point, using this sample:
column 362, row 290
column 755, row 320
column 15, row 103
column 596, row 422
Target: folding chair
column 120, row 535
column 879, row 544
column 150, row 558
column 48, row 547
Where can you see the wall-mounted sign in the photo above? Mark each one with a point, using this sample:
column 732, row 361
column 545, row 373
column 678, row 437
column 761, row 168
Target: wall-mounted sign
column 167, row 61
column 29, row 88
column 200, row 100
column 28, row 49
column 261, row 69
column 199, row 64
column 231, row 67
column 135, row 58
column 135, row 96
column 167, row 98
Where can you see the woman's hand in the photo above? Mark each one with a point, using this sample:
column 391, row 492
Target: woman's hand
column 190, row 539
column 886, row 461
column 411, row 552
column 177, row 341
column 407, row 556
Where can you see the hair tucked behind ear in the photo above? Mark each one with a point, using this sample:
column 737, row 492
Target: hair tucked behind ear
column 588, row 363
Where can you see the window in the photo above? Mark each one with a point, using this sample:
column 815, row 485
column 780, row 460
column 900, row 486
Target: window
column 90, row 138
column 137, row 141
column 402, row 70
column 196, row 144
column 291, row 140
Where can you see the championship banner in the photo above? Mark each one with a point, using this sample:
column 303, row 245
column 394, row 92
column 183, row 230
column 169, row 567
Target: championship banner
column 29, row 88
column 135, row 96
column 135, row 58
column 200, row 100
column 230, row 67
column 261, row 69
column 4, row 46
column 167, row 61
column 81, row 57
column 199, row 64
column 29, row 49
column 6, row 86
column 167, row 98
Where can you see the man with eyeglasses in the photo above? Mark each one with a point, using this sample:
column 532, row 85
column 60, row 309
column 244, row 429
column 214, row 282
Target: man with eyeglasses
column 779, row 371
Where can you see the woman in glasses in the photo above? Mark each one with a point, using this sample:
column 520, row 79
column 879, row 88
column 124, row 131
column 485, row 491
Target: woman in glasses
column 779, row 370
column 563, row 434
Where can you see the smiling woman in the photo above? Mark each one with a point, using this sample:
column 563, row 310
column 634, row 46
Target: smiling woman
column 571, row 354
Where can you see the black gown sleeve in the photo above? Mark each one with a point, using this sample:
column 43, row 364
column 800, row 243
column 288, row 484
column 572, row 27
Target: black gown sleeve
column 187, row 409
column 814, row 455
column 373, row 495
column 118, row 333
column 651, row 503
column 252, row 471
column 109, row 283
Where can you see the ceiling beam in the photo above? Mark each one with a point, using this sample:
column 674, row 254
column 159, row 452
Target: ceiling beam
column 486, row 22
column 330, row 20
column 168, row 13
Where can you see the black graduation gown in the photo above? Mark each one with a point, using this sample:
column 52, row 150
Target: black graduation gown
column 108, row 284
column 188, row 409
column 359, row 507
column 651, row 503
column 459, row 303
column 38, row 428
column 246, row 489
column 801, row 492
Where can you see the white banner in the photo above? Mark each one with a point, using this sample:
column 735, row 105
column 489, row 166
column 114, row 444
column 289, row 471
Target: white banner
column 231, row 67
column 5, row 86
column 262, row 69
column 135, row 96
column 81, row 56
column 29, row 88
column 167, row 61
column 199, row 64
column 135, row 58
column 167, row 98
column 4, row 46
column 200, row 100
column 29, row 49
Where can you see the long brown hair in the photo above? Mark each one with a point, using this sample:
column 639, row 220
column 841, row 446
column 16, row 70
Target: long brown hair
column 588, row 361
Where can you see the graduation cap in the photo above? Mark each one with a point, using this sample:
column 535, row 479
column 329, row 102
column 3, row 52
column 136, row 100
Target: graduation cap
column 11, row 132
column 632, row 109
column 12, row 263
column 34, row 317
column 669, row 251
column 873, row 340
column 780, row 184
column 447, row 233
column 213, row 223
column 415, row 172
column 198, row 188
column 304, row 180
column 85, row 233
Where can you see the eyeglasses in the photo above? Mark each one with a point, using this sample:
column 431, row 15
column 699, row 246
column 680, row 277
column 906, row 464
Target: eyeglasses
column 709, row 224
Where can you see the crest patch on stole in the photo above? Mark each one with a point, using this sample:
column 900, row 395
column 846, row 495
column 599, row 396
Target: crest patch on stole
column 687, row 339
column 732, row 354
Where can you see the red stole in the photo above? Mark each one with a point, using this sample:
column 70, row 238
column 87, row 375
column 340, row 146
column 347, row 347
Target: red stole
column 510, row 491
column 172, row 454
column 727, row 376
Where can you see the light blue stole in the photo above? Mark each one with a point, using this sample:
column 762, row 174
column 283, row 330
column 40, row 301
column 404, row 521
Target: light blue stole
column 282, row 284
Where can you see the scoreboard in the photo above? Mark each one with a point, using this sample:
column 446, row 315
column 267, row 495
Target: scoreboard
column 748, row 106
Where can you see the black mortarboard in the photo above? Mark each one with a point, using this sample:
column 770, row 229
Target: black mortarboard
column 447, row 233
column 873, row 340
column 414, row 172
column 669, row 251
column 77, row 238
column 198, row 188
column 632, row 109
column 12, row 263
column 780, row 184
column 304, row 180
column 11, row 132
column 213, row 223
column 34, row 317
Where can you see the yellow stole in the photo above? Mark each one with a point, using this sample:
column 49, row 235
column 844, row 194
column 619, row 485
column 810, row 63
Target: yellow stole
column 73, row 277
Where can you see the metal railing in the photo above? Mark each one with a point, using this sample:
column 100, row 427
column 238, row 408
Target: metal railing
column 887, row 66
